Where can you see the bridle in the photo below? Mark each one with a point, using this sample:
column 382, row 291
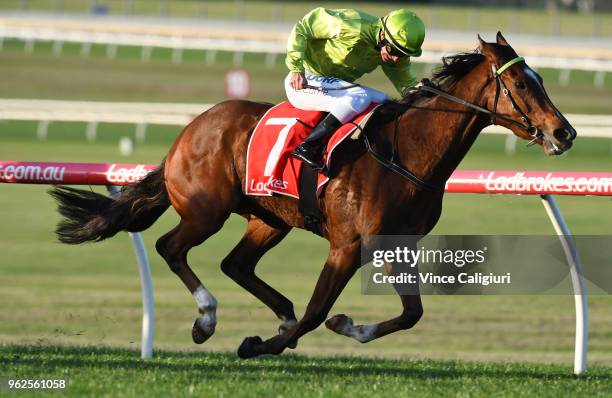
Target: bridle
column 524, row 124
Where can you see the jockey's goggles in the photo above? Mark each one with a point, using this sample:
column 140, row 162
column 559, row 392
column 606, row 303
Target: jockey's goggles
column 392, row 50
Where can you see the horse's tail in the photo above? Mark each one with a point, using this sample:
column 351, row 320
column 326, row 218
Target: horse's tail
column 90, row 216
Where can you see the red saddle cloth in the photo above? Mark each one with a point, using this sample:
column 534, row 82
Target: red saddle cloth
column 270, row 167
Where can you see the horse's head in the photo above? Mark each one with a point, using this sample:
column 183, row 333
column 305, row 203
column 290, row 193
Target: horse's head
column 520, row 96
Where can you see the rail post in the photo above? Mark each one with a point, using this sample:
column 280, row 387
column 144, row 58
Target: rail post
column 146, row 283
column 577, row 276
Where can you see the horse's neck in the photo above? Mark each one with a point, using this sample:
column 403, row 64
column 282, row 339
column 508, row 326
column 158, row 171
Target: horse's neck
column 434, row 145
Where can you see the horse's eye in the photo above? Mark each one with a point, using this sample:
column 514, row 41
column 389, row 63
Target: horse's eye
column 520, row 85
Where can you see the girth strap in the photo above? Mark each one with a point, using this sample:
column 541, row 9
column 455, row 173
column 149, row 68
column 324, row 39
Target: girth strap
column 309, row 204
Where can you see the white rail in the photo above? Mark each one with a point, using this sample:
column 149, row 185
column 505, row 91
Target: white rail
column 100, row 112
column 124, row 33
column 598, row 126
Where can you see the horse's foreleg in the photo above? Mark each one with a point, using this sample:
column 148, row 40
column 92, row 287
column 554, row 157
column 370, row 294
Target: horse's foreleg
column 241, row 262
column 339, row 268
column 412, row 312
column 173, row 247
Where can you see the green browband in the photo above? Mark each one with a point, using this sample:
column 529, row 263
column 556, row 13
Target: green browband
column 509, row 64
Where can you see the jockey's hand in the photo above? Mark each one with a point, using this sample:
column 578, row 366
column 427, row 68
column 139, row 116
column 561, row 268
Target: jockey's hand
column 298, row 80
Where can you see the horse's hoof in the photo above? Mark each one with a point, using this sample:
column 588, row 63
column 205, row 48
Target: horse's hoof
column 247, row 347
column 200, row 332
column 337, row 323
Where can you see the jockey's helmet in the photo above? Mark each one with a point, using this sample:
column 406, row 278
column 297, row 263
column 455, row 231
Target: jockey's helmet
column 405, row 31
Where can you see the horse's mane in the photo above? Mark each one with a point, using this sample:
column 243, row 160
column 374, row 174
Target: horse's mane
column 452, row 70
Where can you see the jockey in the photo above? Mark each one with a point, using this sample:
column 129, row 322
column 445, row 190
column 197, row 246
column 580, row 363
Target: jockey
column 329, row 49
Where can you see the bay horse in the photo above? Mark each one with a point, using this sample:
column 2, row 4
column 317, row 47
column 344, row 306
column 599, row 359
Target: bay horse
column 427, row 134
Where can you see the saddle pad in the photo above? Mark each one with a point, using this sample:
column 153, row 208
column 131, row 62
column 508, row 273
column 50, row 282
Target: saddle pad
column 270, row 168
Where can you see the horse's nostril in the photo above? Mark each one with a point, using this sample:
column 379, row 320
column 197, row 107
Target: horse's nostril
column 562, row 134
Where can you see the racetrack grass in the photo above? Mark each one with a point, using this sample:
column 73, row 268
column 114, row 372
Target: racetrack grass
column 83, row 295
column 110, row 372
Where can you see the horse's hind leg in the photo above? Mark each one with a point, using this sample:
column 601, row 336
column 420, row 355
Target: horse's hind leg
column 173, row 247
column 241, row 262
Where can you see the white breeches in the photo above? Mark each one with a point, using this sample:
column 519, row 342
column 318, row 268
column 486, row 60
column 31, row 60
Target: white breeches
column 342, row 99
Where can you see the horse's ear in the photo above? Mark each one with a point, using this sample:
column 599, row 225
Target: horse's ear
column 501, row 40
column 484, row 46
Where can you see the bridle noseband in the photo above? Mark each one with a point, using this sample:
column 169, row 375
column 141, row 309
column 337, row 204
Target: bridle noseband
column 524, row 124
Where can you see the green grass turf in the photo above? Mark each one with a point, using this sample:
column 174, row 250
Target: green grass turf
column 42, row 75
column 534, row 21
column 83, row 295
column 104, row 372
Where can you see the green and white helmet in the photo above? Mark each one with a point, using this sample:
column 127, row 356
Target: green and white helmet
column 405, row 31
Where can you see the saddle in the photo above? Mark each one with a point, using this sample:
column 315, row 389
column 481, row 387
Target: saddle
column 272, row 171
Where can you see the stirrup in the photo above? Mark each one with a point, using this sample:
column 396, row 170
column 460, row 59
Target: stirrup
column 320, row 167
column 299, row 153
column 312, row 163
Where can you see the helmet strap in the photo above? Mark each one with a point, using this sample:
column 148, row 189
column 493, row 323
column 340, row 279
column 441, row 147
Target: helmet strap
column 380, row 40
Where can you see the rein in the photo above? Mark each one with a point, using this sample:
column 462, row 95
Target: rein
column 526, row 125
column 499, row 83
column 398, row 168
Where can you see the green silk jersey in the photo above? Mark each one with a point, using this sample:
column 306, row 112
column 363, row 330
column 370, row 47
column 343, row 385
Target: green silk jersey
column 342, row 44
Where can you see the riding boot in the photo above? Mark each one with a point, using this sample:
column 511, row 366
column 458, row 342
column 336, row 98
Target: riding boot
column 310, row 151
